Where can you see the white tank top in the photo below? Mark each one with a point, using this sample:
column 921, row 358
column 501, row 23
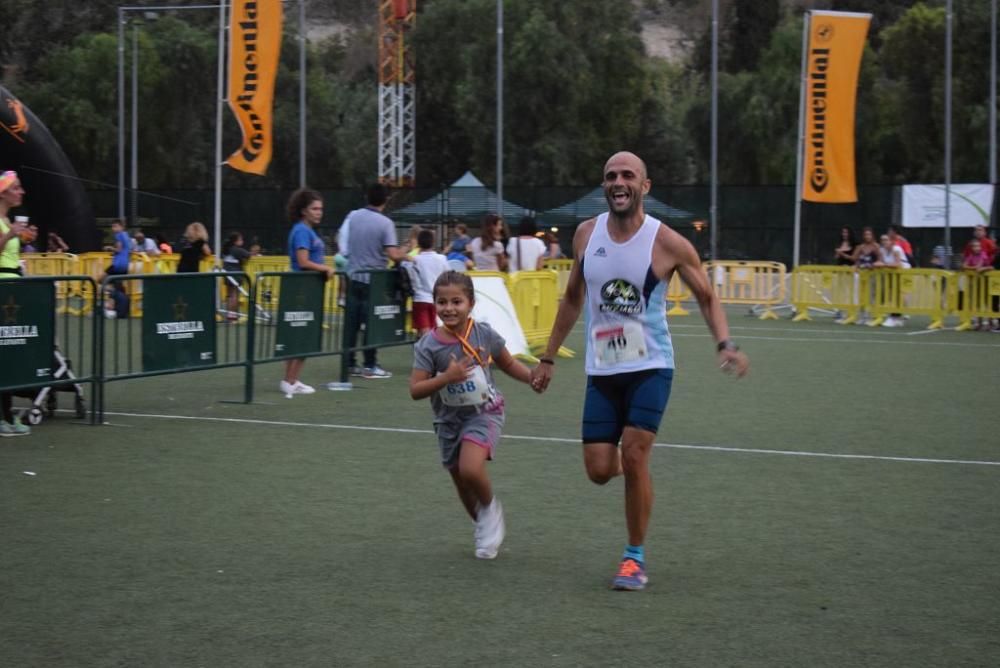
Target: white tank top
column 626, row 310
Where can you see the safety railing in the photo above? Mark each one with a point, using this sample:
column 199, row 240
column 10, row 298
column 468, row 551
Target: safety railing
column 873, row 295
column 47, row 352
column 761, row 285
column 178, row 327
column 977, row 297
column 562, row 267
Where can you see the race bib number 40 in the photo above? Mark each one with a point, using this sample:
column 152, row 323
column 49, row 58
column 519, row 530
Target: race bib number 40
column 618, row 344
column 473, row 391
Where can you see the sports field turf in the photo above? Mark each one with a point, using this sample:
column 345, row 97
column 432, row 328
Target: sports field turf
column 838, row 507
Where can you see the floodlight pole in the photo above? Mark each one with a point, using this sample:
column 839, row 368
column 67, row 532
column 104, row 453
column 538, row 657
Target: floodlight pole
column 713, row 207
column 500, row 108
column 121, row 113
column 993, row 97
column 947, row 132
column 135, row 124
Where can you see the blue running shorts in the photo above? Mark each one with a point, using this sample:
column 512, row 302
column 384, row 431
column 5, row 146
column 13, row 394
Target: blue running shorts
column 635, row 399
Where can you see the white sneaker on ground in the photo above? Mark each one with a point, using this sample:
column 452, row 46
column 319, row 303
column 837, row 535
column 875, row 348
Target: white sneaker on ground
column 490, row 530
column 301, row 388
column 892, row 321
column 356, row 371
column 375, row 372
column 286, row 387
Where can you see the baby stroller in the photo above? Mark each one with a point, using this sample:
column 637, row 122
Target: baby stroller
column 44, row 402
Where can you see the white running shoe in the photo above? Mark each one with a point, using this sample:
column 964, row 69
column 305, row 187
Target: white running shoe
column 286, row 387
column 301, row 388
column 490, row 530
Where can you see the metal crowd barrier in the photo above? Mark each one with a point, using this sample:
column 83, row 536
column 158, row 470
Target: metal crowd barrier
column 47, row 351
column 176, row 327
column 979, row 297
column 881, row 292
column 759, row 284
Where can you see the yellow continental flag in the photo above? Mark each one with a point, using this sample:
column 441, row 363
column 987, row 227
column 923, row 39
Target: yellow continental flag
column 836, row 44
column 254, row 45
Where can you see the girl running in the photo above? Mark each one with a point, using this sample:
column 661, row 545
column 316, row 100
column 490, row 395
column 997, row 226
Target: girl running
column 452, row 366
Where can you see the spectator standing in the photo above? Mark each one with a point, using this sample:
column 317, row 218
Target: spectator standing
column 429, row 265
column 234, row 257
column 891, row 256
column 194, row 248
column 11, row 196
column 985, row 243
column 976, row 259
column 899, row 240
column 371, row 244
column 305, row 253
column 143, row 244
column 867, row 253
column 487, row 249
column 56, row 244
column 526, row 251
column 844, row 252
column 412, row 247
column 461, row 241
column 28, row 238
column 553, row 251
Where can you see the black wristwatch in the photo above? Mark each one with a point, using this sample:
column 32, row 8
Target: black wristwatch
column 727, row 345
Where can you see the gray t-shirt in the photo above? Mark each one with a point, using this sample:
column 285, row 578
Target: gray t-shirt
column 370, row 233
column 433, row 354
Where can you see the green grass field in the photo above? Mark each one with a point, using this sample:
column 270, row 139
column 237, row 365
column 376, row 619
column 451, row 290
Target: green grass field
column 838, row 507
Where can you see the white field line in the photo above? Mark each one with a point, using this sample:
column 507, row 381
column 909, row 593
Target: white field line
column 554, row 439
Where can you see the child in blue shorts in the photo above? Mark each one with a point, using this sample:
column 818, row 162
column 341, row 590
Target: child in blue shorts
column 452, row 364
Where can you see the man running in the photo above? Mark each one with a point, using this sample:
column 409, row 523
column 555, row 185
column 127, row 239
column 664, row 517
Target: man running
column 623, row 262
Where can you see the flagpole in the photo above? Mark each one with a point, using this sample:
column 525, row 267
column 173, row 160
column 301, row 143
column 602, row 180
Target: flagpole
column 993, row 95
column 800, row 150
column 302, row 93
column 500, row 108
column 221, row 82
column 713, row 208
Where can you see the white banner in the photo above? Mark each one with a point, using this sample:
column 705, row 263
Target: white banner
column 494, row 307
column 971, row 203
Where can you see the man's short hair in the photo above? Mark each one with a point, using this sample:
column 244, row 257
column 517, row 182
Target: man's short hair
column 378, row 194
column 425, row 239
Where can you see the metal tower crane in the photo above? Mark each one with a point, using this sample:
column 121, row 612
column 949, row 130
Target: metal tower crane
column 397, row 127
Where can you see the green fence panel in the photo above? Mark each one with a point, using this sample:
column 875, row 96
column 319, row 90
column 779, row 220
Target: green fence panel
column 300, row 314
column 178, row 324
column 27, row 330
column 386, row 323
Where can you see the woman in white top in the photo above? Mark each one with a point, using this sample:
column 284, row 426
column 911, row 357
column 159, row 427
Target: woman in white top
column 486, row 249
column 526, row 251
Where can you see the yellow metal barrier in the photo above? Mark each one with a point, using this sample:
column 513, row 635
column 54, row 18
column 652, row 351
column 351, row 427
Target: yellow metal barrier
column 562, row 268
column 752, row 283
column 534, row 294
column 980, row 297
column 829, row 287
column 54, row 264
column 926, row 292
column 677, row 292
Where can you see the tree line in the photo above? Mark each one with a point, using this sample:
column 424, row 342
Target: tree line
column 579, row 85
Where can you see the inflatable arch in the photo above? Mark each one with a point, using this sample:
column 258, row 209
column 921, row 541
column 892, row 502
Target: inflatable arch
column 56, row 200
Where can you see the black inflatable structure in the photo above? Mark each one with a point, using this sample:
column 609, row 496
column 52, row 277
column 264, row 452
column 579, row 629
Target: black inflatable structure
column 56, row 200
